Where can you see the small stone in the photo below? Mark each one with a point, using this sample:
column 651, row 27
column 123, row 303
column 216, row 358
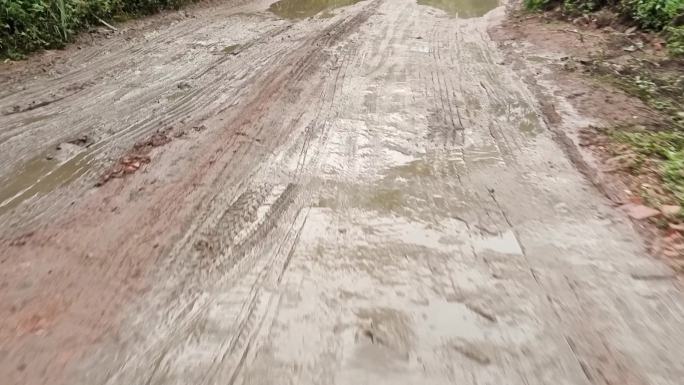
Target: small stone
column 639, row 212
column 670, row 210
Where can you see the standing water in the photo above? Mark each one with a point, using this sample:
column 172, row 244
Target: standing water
column 463, row 8
column 301, row 9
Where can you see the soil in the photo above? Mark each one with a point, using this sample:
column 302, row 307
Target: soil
column 374, row 194
column 582, row 107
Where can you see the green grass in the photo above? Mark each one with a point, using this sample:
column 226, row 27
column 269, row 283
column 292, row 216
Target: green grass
column 666, row 148
column 653, row 14
column 664, row 92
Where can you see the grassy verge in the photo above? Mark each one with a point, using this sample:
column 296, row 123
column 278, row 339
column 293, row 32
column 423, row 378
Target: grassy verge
column 664, row 152
column 654, row 155
column 658, row 149
column 30, row 25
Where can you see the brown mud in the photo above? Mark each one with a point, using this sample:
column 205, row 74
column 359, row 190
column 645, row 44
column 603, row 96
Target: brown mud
column 372, row 196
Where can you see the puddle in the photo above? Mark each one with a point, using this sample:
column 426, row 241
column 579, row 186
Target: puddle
column 327, row 14
column 448, row 320
column 301, row 9
column 504, row 243
column 463, row 9
column 386, row 200
column 176, row 95
column 232, row 49
column 445, row 165
column 536, row 59
column 530, row 125
column 415, row 169
column 38, row 177
column 379, row 198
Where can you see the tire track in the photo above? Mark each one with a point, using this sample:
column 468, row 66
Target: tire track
column 232, row 242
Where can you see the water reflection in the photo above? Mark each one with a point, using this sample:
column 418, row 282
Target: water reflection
column 300, row 9
column 462, row 8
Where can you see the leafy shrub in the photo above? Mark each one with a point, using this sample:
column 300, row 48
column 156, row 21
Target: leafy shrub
column 28, row 25
column 536, row 4
column 654, row 14
column 675, row 41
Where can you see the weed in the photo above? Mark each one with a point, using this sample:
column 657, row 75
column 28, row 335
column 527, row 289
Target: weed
column 666, row 148
column 653, row 14
column 675, row 40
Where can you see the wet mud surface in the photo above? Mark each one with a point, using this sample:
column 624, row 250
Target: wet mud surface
column 370, row 197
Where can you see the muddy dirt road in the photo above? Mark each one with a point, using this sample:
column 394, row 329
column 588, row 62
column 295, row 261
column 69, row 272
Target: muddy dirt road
column 356, row 195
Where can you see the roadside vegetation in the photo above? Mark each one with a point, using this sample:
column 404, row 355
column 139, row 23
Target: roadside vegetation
column 653, row 153
column 30, row 25
column 665, row 16
column 657, row 149
column 666, row 147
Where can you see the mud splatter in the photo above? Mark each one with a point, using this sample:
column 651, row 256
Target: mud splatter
column 135, row 159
